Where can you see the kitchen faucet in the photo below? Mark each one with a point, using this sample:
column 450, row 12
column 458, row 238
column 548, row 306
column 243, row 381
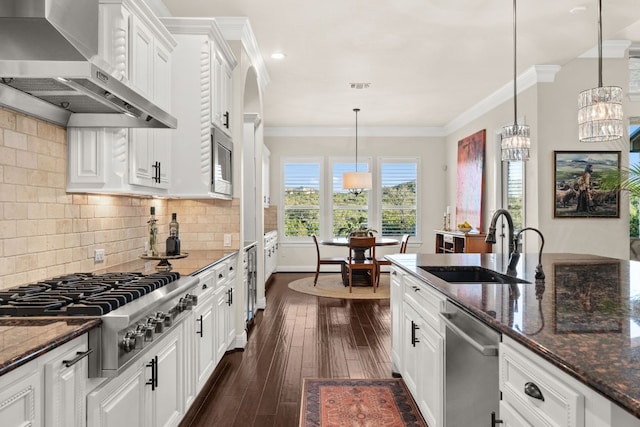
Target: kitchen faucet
column 491, row 235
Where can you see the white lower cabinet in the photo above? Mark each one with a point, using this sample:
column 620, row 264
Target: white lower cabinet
column 48, row 391
column 397, row 319
column 21, row 397
column 421, row 350
column 204, row 330
column 536, row 393
column 149, row 393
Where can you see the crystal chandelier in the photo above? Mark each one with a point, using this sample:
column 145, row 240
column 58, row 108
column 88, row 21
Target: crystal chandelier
column 515, row 138
column 356, row 182
column 600, row 109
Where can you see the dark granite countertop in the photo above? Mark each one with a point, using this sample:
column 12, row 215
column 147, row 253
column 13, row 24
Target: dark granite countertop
column 584, row 318
column 24, row 339
column 194, row 263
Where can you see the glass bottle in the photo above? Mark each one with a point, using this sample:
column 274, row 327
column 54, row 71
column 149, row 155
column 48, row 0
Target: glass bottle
column 173, row 241
column 153, row 233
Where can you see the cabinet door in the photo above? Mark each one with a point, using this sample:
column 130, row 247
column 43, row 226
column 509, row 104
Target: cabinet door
column 167, row 397
column 221, row 312
column 216, row 76
column 162, row 76
column 150, row 157
column 142, row 57
column 141, row 156
column 510, row 417
column 430, row 375
column 410, row 350
column 122, row 401
column 226, row 88
column 20, row 398
column 65, row 389
column 266, row 193
column 230, row 329
column 396, row 319
column 204, row 325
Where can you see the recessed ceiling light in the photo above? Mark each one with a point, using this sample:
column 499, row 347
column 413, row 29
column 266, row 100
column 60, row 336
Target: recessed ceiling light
column 278, row 55
column 578, row 9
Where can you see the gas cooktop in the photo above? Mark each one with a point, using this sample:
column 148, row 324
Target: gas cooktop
column 80, row 294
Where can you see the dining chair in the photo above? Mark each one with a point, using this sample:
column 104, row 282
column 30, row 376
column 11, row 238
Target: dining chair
column 368, row 243
column 325, row 261
column 382, row 261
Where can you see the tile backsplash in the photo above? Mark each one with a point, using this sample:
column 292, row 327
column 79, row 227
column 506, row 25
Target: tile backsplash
column 45, row 231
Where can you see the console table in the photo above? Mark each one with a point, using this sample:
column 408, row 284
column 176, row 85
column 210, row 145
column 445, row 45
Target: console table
column 458, row 242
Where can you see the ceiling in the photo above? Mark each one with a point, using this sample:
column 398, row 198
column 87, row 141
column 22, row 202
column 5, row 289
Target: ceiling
column 427, row 61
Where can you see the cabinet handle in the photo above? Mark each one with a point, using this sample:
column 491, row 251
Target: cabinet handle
column 415, row 288
column 79, row 356
column 393, row 273
column 220, row 276
column 530, row 389
column 230, row 297
column 204, row 286
column 226, row 120
column 414, row 328
column 494, row 420
column 159, row 172
column 153, row 364
column 200, row 332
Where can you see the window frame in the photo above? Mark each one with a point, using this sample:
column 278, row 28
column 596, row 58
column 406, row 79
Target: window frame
column 315, row 160
column 332, row 161
column 400, row 159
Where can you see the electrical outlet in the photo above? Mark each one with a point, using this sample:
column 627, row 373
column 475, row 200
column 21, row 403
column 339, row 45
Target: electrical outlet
column 227, row 240
column 98, row 255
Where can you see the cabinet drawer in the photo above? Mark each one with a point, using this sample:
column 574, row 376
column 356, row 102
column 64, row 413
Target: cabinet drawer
column 559, row 405
column 221, row 273
column 426, row 301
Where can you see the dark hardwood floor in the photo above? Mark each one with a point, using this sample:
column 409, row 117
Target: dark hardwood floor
column 296, row 336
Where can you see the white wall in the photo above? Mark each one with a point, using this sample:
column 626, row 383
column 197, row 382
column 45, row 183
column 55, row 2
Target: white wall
column 558, row 130
column 432, row 184
column 550, row 109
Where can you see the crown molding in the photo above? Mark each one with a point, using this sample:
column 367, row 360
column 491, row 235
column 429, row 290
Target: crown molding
column 530, row 77
column 239, row 28
column 613, row 49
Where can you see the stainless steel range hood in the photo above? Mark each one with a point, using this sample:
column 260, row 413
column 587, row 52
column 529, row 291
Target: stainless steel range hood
column 48, row 68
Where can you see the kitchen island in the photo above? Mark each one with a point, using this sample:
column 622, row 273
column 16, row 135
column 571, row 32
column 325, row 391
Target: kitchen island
column 584, row 318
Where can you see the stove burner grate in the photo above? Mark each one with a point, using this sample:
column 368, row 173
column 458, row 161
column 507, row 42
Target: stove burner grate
column 80, row 294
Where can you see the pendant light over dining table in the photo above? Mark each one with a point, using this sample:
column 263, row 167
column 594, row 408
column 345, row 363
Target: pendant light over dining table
column 515, row 143
column 356, row 182
column 600, row 108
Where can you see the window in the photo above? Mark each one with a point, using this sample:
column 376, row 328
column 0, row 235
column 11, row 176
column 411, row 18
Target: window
column 514, row 192
column 349, row 211
column 399, row 196
column 302, row 198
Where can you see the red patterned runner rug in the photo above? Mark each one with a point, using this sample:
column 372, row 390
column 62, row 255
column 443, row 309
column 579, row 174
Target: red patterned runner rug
column 358, row 403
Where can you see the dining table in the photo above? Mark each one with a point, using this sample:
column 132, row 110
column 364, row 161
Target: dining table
column 359, row 253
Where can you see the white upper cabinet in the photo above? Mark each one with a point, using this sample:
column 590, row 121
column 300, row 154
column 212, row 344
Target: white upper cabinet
column 196, row 65
column 137, row 49
column 221, row 100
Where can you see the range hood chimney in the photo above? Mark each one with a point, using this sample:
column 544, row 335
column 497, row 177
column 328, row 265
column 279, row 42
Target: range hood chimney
column 49, row 68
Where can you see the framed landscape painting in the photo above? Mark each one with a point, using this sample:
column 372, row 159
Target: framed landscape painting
column 577, row 176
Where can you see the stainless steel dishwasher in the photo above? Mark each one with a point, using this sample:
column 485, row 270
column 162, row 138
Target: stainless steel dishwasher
column 471, row 370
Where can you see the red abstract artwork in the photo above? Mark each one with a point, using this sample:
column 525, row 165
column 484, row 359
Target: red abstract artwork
column 471, row 179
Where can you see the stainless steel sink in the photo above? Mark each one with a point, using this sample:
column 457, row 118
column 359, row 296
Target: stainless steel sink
column 470, row 274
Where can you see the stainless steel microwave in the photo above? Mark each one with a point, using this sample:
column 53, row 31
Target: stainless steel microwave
column 222, row 168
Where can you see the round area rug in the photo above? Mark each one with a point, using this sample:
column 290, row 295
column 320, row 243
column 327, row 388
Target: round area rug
column 330, row 285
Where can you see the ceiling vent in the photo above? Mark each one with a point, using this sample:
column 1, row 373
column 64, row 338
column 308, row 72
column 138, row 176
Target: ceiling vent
column 360, row 85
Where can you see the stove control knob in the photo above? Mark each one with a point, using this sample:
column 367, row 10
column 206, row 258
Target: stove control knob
column 128, row 343
column 139, row 340
column 190, row 301
column 148, row 332
column 168, row 320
